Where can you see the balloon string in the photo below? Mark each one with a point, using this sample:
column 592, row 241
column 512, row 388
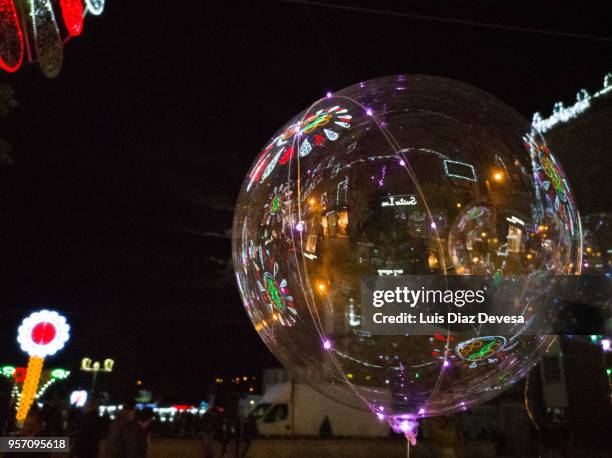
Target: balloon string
column 530, row 414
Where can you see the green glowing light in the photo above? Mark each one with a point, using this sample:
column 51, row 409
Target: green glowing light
column 7, row 371
column 60, row 374
column 274, row 293
column 275, row 205
column 609, row 371
column 417, row 375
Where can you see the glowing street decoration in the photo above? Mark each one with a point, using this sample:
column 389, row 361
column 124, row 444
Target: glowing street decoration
column 41, row 334
column 21, row 19
column 78, row 398
column 95, row 7
column 87, row 365
column 281, row 148
column 562, row 114
column 72, row 12
column 11, row 37
column 479, row 349
column 453, row 168
column 280, row 302
column 47, row 39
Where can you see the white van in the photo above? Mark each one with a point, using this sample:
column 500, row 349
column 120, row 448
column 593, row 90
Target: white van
column 277, row 414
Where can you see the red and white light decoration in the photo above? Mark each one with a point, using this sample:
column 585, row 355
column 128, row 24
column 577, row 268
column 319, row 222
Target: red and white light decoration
column 43, row 333
column 28, row 28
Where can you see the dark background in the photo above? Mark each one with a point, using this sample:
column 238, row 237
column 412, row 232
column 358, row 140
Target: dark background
column 118, row 205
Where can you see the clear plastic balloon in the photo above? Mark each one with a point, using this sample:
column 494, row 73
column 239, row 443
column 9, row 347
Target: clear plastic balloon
column 398, row 175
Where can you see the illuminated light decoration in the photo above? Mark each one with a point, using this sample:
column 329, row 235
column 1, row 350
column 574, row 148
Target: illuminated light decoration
column 47, row 39
column 515, row 220
column 280, row 150
column 327, row 344
column 30, row 387
column 72, row 12
column 95, row 7
column 87, row 365
column 280, row 301
column 454, row 169
column 11, row 37
column 480, row 349
column 305, row 148
column 399, row 201
column 21, row 19
column 78, row 398
column 41, row 334
column 554, row 190
column 276, row 209
column 7, row 371
column 562, row 114
column 20, row 374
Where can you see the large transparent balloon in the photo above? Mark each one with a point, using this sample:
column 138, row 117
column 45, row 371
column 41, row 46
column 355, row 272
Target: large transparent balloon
column 398, row 175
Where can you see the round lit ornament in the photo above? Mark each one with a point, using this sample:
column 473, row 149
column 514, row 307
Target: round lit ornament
column 403, row 175
column 20, row 19
column 41, row 334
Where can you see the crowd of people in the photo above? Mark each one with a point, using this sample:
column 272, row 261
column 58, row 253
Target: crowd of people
column 128, row 434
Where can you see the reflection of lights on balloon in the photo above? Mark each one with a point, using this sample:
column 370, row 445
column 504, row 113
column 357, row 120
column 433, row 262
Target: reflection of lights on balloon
column 498, row 176
column 455, row 226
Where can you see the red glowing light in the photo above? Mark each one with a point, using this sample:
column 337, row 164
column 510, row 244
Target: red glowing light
column 181, row 407
column 20, row 374
column 72, row 11
column 286, row 156
column 43, row 333
column 11, row 40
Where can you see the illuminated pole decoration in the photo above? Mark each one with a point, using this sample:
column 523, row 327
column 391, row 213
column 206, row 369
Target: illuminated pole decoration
column 21, row 20
column 87, row 365
column 11, row 39
column 40, row 335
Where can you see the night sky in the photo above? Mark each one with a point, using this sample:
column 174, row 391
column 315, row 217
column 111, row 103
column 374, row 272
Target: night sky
column 118, row 205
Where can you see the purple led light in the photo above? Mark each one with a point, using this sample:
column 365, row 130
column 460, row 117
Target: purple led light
column 328, row 95
column 446, row 363
column 369, row 112
column 380, row 416
column 405, row 426
column 433, row 225
column 421, row 411
column 299, row 226
column 327, row 344
column 605, row 344
column 402, row 163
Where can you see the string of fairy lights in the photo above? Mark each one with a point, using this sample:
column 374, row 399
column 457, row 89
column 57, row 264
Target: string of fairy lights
column 562, row 114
